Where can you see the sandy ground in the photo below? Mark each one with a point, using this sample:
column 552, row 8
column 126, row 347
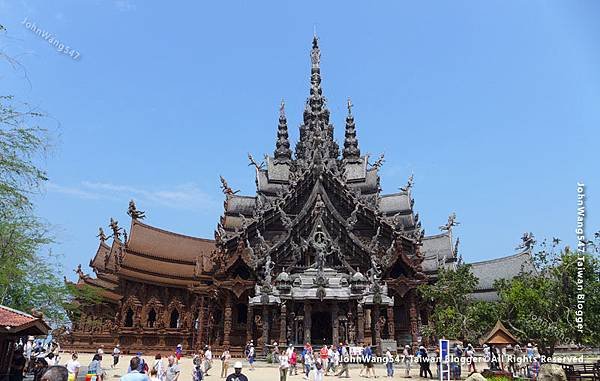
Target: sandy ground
column 262, row 372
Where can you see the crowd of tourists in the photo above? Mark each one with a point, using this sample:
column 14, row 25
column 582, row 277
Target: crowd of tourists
column 37, row 358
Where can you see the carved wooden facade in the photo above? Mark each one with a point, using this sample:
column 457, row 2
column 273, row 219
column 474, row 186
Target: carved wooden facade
column 317, row 254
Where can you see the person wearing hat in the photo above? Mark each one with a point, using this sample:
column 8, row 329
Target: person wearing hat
column 407, row 358
column 237, row 375
column 389, row 362
column 116, row 354
column 251, row 356
column 178, row 352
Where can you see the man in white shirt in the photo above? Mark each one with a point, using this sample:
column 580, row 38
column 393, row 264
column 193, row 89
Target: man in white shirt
column 208, row 360
column 73, row 367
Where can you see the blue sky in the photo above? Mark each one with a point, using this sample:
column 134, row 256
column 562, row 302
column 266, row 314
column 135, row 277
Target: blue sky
column 494, row 106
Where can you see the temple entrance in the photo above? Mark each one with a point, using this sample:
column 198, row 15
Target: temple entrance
column 321, row 330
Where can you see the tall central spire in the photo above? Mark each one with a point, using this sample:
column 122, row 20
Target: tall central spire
column 316, row 133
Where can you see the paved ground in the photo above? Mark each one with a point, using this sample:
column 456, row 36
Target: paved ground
column 262, row 372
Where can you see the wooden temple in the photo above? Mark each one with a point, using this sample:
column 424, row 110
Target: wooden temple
column 317, row 255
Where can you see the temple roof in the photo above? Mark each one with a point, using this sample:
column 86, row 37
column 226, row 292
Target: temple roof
column 151, row 242
column 438, row 251
column 501, row 268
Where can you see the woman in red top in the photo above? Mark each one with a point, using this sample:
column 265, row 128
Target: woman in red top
column 293, row 362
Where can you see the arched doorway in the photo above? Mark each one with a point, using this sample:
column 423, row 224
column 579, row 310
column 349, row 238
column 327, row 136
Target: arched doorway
column 321, row 329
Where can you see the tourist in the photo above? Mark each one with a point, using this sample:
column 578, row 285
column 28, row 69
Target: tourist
column 324, row 356
column 115, row 355
column 424, row 363
column 334, row 361
column 134, row 373
column 534, row 368
column 39, row 368
column 52, row 359
column 56, row 373
column 369, row 361
column 344, row 361
column 237, row 374
column 142, row 366
column 207, row 360
column 319, row 369
column 18, row 365
column 251, row 355
column 407, row 359
column 284, row 364
column 172, row 371
column 178, row 352
column 225, row 358
column 293, row 362
column 494, row 358
column 471, row 359
column 73, row 367
column 95, row 371
column 389, row 363
column 363, row 369
column 529, row 352
column 154, row 375
column 197, row 373
column 158, row 367
column 28, row 353
column 275, row 352
column 486, row 355
column 309, row 361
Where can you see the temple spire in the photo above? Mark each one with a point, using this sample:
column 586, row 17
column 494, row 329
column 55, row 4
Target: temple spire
column 351, row 150
column 316, row 133
column 282, row 147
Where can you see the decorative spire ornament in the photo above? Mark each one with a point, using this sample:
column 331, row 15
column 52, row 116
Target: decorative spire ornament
column 282, row 147
column 351, row 151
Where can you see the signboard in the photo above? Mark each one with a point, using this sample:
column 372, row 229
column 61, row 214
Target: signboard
column 444, row 362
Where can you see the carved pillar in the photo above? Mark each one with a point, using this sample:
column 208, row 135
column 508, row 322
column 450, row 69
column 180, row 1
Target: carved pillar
column 375, row 313
column 227, row 320
column 414, row 325
column 283, row 325
column 335, row 324
column 265, row 327
column 250, row 324
column 307, row 321
column 390, row 321
column 361, row 324
column 201, row 323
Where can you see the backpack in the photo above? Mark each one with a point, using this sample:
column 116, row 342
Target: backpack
column 144, row 367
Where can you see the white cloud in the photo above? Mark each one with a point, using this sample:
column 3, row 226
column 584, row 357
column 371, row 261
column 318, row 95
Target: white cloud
column 183, row 196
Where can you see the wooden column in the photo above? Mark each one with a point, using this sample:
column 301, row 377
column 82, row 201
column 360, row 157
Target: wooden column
column 390, row 320
column 414, row 324
column 283, row 325
column 375, row 314
column 307, row 321
column 361, row 324
column 250, row 324
column 227, row 320
column 335, row 324
column 201, row 324
column 265, row 327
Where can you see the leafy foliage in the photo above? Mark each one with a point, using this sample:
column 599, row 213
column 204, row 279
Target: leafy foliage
column 455, row 314
column 541, row 306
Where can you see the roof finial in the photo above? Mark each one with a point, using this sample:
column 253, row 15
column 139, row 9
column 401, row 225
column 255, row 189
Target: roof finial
column 282, row 147
column 315, row 54
column 351, row 151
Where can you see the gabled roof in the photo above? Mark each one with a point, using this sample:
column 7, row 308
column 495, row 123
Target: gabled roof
column 437, row 250
column 499, row 335
column 500, row 268
column 17, row 322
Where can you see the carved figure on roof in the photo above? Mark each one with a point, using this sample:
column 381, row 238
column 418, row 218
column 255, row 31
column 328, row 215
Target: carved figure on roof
column 374, row 272
column 124, row 235
column 198, row 266
column 254, row 163
column 79, row 272
column 263, row 247
column 374, row 244
column 101, row 235
column 114, row 225
column 286, row 221
column 268, row 269
column 451, row 223
column 134, row 213
column 353, row 219
column 409, row 184
column 315, row 54
column 225, row 187
column 379, row 162
column 319, row 206
column 527, row 242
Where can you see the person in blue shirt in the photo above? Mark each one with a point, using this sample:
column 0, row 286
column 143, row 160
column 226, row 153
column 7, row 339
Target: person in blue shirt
column 134, row 374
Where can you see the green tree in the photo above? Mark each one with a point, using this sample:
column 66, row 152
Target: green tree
column 28, row 279
column 455, row 314
column 541, row 305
